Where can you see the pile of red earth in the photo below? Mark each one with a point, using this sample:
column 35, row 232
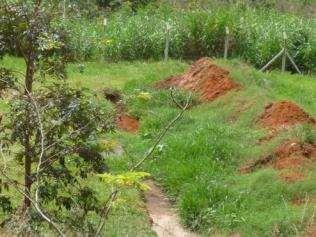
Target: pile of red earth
column 204, row 78
column 290, row 157
column 284, row 114
column 127, row 123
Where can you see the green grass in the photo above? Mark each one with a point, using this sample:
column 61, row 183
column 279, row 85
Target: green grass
column 199, row 159
column 98, row 75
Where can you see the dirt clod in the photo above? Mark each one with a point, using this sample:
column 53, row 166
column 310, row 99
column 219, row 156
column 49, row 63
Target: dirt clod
column 283, row 114
column 204, row 78
column 127, row 123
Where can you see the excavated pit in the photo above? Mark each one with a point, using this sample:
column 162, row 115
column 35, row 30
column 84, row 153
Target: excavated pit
column 123, row 121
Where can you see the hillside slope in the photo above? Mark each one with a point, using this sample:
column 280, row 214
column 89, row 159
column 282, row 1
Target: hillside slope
column 203, row 163
column 242, row 161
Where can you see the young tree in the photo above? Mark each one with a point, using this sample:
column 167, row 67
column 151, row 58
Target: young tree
column 56, row 126
column 25, row 29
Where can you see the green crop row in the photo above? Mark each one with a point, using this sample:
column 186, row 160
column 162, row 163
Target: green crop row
column 255, row 35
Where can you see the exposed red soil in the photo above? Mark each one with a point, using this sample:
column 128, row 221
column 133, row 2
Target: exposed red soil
column 127, row 123
column 289, row 158
column 284, row 114
column 204, row 78
column 312, row 231
column 305, row 200
column 294, row 154
column 291, row 176
column 123, row 121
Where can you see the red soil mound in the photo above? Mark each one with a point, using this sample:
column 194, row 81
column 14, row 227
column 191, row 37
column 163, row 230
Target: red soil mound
column 312, row 231
column 204, row 78
column 284, row 114
column 292, row 154
column 289, row 158
column 127, row 123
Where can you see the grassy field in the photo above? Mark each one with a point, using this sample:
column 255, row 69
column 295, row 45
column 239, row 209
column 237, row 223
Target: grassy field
column 198, row 161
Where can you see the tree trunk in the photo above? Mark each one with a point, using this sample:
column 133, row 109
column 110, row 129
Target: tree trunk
column 27, row 171
column 64, row 9
column 29, row 76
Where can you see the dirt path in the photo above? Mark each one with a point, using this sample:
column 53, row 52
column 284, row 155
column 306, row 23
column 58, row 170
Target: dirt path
column 165, row 220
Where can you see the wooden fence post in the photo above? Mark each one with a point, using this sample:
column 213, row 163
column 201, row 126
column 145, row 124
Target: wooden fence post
column 293, row 63
column 64, row 9
column 272, row 60
column 284, row 52
column 166, row 51
column 226, row 42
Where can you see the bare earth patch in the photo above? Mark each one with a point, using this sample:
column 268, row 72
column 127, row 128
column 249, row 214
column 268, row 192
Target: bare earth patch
column 289, row 159
column 164, row 219
column 127, row 123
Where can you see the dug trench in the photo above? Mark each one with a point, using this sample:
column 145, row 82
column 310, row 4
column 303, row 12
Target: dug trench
column 289, row 159
column 282, row 115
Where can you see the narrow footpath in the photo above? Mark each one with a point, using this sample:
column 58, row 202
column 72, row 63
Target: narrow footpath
column 165, row 221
